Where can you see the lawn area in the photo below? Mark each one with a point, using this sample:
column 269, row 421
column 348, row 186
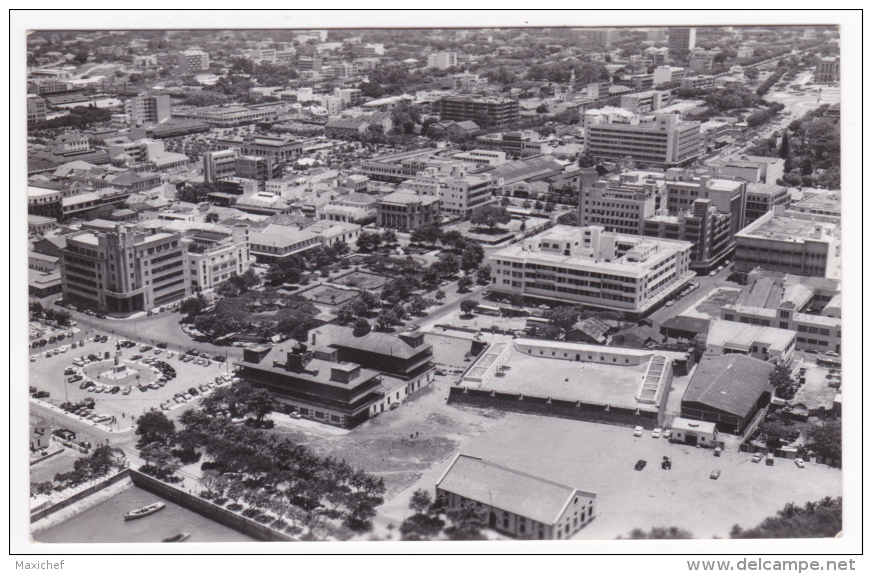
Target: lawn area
column 362, row 280
column 326, row 295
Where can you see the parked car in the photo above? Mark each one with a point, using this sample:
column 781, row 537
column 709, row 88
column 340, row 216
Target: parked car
column 667, row 433
column 640, row 464
column 41, row 395
column 799, row 462
column 296, row 415
column 656, row 433
column 126, row 391
column 715, row 474
column 161, row 345
column 718, row 451
column 638, row 431
column 758, row 456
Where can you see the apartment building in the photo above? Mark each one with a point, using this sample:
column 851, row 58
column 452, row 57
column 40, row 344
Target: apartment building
column 407, row 211
column 486, row 112
column 681, row 42
column 148, row 109
column 665, row 74
column 459, row 191
column 797, row 243
column 761, row 198
column 701, row 61
column 219, row 164
column 121, row 270
column 257, row 168
column 622, row 204
column 193, row 62
column 592, row 267
column 702, row 82
column 704, row 226
column 663, row 141
column 442, row 60
column 648, row 101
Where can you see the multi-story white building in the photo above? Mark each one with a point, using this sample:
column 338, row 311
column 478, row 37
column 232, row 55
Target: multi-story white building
column 442, row 60
column 663, row 141
column 122, row 270
column 219, row 164
column 799, row 244
column 592, row 267
column 215, row 255
column 148, row 109
column 459, row 191
column 193, row 62
column 36, row 110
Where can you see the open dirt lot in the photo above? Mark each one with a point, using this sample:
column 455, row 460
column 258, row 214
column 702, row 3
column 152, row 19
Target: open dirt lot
column 710, row 307
column 601, row 458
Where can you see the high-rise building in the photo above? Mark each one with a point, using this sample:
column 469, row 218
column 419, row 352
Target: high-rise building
column 681, row 42
column 123, row 270
column 193, row 61
column 593, row 267
column 459, row 191
column 492, row 112
column 219, row 164
column 257, row 168
column 148, row 109
column 656, row 34
column 442, row 60
column 664, row 141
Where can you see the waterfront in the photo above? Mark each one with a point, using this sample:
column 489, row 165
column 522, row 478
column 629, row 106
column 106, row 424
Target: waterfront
column 105, row 523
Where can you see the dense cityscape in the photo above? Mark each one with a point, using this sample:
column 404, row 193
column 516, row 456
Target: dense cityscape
column 426, row 284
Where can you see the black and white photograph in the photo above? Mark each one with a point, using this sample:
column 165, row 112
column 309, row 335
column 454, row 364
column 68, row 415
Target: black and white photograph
column 304, row 281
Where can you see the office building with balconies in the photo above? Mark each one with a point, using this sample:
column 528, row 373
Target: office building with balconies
column 193, row 62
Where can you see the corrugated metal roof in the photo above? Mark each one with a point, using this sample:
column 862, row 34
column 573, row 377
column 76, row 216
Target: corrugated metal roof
column 510, row 490
column 731, row 383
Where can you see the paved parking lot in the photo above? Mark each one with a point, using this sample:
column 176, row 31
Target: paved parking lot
column 47, row 374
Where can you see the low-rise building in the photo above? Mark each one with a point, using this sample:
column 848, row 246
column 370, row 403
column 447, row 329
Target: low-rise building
column 761, row 198
column 277, row 241
column 764, row 343
column 515, row 503
column 728, row 391
column 407, row 211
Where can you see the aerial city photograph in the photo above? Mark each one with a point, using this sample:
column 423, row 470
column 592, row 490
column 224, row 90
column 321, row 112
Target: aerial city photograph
column 433, row 284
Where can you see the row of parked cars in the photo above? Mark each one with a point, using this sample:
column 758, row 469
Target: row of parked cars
column 656, row 433
column 36, row 343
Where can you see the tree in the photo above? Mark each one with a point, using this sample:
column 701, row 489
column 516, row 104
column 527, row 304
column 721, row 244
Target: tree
column 389, row 237
column 211, row 217
column 467, row 306
column 492, row 215
column 472, row 256
column 361, row 327
column 430, row 234
column 154, row 426
column 483, row 273
column 466, row 524
column 192, row 306
column 784, row 150
column 564, row 317
column 826, row 440
column 780, row 379
column 285, row 270
column 464, row 284
column 659, row 533
column 752, row 73
column 386, row 318
column 821, row 519
column 159, row 460
column 369, row 241
column 417, row 305
column 420, row 501
column 258, row 402
column 777, row 433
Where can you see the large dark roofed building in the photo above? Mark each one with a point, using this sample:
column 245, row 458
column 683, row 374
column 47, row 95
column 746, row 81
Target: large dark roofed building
column 313, row 382
column 405, row 356
column 728, row 391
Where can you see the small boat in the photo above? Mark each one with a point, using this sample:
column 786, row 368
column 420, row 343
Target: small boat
column 144, row 511
column 180, row 537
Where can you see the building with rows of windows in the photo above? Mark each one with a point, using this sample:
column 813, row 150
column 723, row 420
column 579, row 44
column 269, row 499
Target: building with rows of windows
column 516, row 503
column 595, row 268
column 663, row 141
column 122, row 270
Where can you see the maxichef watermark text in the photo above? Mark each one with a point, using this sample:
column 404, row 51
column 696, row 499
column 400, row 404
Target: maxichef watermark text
column 39, row 565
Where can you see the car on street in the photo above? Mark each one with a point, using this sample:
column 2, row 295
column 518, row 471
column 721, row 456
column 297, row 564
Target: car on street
column 715, row 474
column 667, row 433
column 296, row 415
column 656, row 433
column 758, row 456
column 135, row 357
column 218, row 358
column 640, row 464
column 187, row 397
column 638, row 431
column 161, row 345
column 41, row 395
column 799, row 462
column 670, row 303
column 126, row 391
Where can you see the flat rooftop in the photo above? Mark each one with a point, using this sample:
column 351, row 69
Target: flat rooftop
column 831, row 201
column 732, row 333
column 787, row 228
column 590, row 383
